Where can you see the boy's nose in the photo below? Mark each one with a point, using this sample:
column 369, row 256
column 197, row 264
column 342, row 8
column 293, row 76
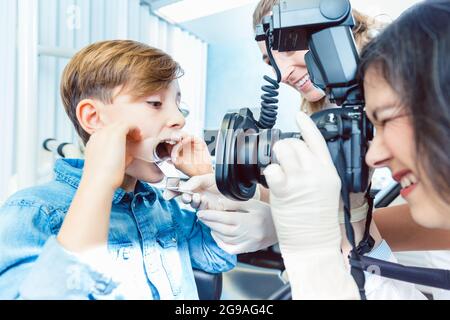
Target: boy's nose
column 176, row 120
column 378, row 154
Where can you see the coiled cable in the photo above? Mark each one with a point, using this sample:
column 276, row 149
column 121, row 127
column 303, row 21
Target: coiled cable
column 269, row 104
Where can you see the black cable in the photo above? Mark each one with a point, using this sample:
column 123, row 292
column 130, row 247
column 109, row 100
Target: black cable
column 269, row 104
column 357, row 273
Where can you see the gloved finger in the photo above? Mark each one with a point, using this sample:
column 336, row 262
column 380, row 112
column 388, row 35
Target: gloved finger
column 225, row 204
column 221, row 228
column 233, row 240
column 301, row 157
column 276, row 179
column 313, row 138
column 198, row 183
column 230, row 249
column 196, row 201
column 223, row 217
column 293, row 155
column 205, row 203
column 169, row 194
column 243, row 206
column 186, row 198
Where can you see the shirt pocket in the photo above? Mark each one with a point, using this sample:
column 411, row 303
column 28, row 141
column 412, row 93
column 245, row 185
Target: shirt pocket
column 170, row 258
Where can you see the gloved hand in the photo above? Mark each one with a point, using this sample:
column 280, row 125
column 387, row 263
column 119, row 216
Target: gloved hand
column 244, row 227
column 304, row 193
column 237, row 226
column 206, row 194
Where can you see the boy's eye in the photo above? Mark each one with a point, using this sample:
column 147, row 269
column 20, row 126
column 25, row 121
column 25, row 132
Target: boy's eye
column 155, row 104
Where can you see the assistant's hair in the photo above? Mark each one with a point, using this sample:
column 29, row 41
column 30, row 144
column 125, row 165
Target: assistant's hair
column 412, row 54
column 364, row 31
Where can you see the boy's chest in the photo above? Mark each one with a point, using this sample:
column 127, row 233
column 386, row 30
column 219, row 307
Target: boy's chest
column 153, row 258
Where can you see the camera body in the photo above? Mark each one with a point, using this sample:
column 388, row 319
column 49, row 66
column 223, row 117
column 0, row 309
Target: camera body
column 244, row 150
column 244, row 144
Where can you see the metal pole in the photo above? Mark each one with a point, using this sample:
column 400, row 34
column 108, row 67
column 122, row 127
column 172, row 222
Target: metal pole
column 27, row 55
column 8, row 80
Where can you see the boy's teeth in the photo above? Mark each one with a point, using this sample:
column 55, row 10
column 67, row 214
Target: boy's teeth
column 171, row 142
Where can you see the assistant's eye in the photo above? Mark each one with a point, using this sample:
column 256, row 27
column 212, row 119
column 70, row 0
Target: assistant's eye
column 385, row 121
column 155, row 104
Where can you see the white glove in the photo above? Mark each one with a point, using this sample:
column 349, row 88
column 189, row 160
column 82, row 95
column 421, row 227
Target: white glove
column 237, row 226
column 358, row 208
column 248, row 228
column 358, row 205
column 201, row 193
column 305, row 192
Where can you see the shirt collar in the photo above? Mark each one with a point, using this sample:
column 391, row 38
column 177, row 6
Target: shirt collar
column 71, row 170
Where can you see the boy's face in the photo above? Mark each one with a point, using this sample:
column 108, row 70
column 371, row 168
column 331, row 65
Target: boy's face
column 158, row 116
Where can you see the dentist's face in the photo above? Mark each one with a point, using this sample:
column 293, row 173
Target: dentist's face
column 394, row 147
column 294, row 71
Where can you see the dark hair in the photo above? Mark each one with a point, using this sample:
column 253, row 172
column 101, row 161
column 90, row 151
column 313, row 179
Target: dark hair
column 413, row 55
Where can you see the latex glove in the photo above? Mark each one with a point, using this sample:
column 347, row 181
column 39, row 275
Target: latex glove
column 237, row 226
column 304, row 193
column 245, row 227
column 358, row 208
column 206, row 194
column 358, row 205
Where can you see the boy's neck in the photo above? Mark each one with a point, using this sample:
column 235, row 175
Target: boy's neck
column 129, row 183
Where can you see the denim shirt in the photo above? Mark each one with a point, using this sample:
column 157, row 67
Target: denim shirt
column 153, row 246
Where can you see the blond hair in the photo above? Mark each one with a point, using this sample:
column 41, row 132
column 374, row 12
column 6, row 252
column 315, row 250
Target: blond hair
column 95, row 71
column 363, row 33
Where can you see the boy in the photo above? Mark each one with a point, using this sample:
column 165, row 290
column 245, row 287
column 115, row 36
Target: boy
column 97, row 231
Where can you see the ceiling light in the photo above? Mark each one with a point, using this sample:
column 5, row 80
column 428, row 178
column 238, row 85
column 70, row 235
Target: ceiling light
column 186, row 10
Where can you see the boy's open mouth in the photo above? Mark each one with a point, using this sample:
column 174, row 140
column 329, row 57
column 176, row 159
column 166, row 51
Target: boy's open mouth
column 163, row 150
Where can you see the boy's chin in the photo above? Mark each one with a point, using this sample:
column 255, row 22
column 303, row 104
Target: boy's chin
column 145, row 171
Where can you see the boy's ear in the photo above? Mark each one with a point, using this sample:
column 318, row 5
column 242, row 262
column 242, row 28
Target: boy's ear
column 88, row 115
